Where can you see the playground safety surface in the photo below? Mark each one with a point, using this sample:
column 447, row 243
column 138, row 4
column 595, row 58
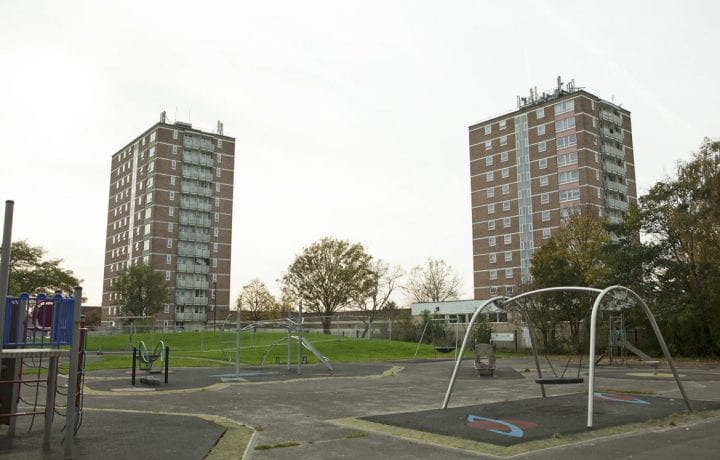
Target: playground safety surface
column 373, row 409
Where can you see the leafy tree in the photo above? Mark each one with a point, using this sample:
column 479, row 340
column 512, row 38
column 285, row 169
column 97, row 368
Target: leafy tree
column 331, row 274
column 258, row 301
column 574, row 256
column 141, row 291
column 30, row 273
column 434, row 282
column 681, row 218
column 386, row 281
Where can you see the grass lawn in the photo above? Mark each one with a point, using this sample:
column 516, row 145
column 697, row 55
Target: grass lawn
column 208, row 348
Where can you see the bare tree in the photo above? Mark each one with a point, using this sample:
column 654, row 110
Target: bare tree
column 388, row 279
column 257, row 301
column 436, row 281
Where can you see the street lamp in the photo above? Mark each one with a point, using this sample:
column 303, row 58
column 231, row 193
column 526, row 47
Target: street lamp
column 214, row 304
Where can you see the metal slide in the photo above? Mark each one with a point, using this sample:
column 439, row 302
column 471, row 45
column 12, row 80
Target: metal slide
column 309, row 346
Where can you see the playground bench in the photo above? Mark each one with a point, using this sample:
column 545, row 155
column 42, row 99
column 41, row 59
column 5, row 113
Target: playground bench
column 279, row 359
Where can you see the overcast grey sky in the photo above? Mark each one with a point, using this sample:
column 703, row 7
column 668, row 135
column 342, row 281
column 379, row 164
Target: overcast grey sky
column 350, row 117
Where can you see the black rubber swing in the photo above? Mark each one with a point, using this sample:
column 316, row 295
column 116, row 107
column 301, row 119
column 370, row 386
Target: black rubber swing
column 561, row 380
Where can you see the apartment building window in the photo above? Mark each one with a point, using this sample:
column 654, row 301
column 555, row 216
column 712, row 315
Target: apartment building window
column 217, row 187
column 174, row 149
column 488, row 129
column 568, row 176
column 569, row 195
column 505, row 173
column 544, row 198
column 489, row 160
column 544, row 181
column 166, row 308
column 545, row 216
column 491, row 225
column 170, row 227
column 565, row 124
column 540, row 113
column 167, row 275
column 216, row 232
column 219, row 143
column 151, row 166
column 175, row 133
column 503, row 140
column 506, row 205
column 508, row 273
column 503, row 124
column 214, row 263
column 151, row 152
column 493, row 274
column 215, row 247
column 214, row 277
column 218, row 172
column 542, row 146
column 491, row 208
column 148, row 213
column 488, row 145
column 217, row 202
column 492, row 257
column 489, row 176
column 168, row 260
column 567, row 159
column 507, row 221
column 217, row 216
column 541, row 130
column 505, row 189
column 169, row 242
column 173, row 164
column 172, row 196
column 490, row 192
column 564, row 107
column 504, row 157
column 172, row 180
column 566, row 141
column 546, row 233
column 542, row 164
column 493, row 290
column 491, row 241
column 507, row 239
column 508, row 256
column 171, row 211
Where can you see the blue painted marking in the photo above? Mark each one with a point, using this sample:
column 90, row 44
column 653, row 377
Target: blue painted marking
column 515, row 431
column 610, row 397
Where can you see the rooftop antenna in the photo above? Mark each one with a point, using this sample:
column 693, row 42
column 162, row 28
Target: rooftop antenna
column 559, row 83
column 163, row 117
column 220, row 127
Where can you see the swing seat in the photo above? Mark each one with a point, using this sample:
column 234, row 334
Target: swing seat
column 559, row 380
column 444, row 349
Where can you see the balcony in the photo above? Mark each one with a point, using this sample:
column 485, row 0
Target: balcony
column 614, row 168
column 620, row 205
column 192, row 236
column 196, row 190
column 189, row 300
column 610, row 117
column 195, row 205
column 615, row 186
column 193, row 252
column 191, row 317
column 614, row 134
column 613, row 152
column 193, row 268
column 198, row 221
column 197, row 159
column 191, row 284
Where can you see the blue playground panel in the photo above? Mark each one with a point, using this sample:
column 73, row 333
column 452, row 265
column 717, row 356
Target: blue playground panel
column 38, row 322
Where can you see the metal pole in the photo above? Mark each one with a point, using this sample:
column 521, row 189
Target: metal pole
column 134, row 364
column 71, row 408
column 214, row 304
column 5, row 263
column 289, row 339
column 237, row 340
column 299, row 329
column 167, row 363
